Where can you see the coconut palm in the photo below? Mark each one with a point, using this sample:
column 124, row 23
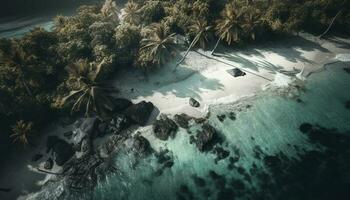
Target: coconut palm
column 89, row 93
column 157, row 45
column 251, row 21
column 228, row 27
column 110, row 10
column 21, row 131
column 200, row 29
column 131, row 13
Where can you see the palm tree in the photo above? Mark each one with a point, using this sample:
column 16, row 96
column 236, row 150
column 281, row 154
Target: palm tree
column 16, row 58
column 251, row 21
column 21, row 131
column 94, row 95
column 157, row 46
column 110, row 10
column 200, row 29
column 131, row 13
column 228, row 28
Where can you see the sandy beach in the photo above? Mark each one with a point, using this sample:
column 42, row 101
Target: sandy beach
column 200, row 77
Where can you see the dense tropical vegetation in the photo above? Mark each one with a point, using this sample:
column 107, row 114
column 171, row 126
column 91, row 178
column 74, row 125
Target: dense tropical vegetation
column 46, row 73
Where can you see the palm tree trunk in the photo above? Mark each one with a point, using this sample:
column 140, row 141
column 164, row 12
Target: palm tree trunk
column 216, row 45
column 330, row 25
column 194, row 41
column 26, row 87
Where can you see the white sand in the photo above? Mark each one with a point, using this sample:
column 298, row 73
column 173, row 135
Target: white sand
column 199, row 77
column 207, row 80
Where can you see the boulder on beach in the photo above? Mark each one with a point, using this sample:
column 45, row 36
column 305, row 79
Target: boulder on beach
column 164, row 127
column 194, row 103
column 235, row 72
column 140, row 112
column 48, row 164
column 61, row 149
column 205, row 137
column 120, row 104
column 182, row 120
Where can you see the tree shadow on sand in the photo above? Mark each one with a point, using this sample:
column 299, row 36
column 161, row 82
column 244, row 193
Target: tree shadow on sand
column 184, row 83
column 290, row 48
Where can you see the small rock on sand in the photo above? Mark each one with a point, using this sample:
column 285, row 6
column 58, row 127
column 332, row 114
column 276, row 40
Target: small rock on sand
column 194, row 103
column 236, row 72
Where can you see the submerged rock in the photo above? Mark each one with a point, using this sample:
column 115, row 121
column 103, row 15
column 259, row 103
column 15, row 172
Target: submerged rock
column 221, row 117
column 305, row 127
column 164, row 127
column 220, row 153
column 205, row 137
column 200, row 182
column 194, row 103
column 235, row 72
column 141, row 145
column 182, row 120
column 347, row 70
column 232, row 116
column 140, row 113
column 347, row 105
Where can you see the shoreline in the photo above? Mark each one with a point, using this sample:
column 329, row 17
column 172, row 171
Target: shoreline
column 203, row 79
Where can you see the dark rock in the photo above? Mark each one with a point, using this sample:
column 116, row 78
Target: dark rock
column 194, row 103
column 164, row 127
column 36, row 157
column 272, row 161
column 68, row 134
column 232, row 116
column 140, row 113
column 118, row 123
column 347, row 70
column 305, row 127
column 182, row 120
column 236, row 72
column 226, row 194
column 205, row 137
column 200, row 182
column 200, row 120
column 120, row 104
column 221, row 153
column 61, row 149
column 158, row 172
column 86, row 146
column 85, row 128
column 347, row 105
column 168, row 164
column 141, row 145
column 221, row 117
column 48, row 164
column 102, row 129
column 164, row 156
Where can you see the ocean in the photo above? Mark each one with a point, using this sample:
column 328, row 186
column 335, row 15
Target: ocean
column 272, row 147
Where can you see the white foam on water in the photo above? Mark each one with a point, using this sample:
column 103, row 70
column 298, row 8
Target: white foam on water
column 343, row 57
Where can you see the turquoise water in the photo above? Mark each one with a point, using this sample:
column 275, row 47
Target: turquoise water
column 269, row 156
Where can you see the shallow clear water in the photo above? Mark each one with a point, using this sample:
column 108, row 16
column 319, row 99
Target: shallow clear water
column 271, row 125
column 273, row 158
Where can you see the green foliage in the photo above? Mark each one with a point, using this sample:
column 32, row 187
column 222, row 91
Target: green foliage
column 87, row 91
column 127, row 38
column 157, row 45
column 21, row 132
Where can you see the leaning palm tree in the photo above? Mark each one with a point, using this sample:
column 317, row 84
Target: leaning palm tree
column 228, row 27
column 21, row 131
column 200, row 29
column 131, row 13
column 157, row 45
column 91, row 94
